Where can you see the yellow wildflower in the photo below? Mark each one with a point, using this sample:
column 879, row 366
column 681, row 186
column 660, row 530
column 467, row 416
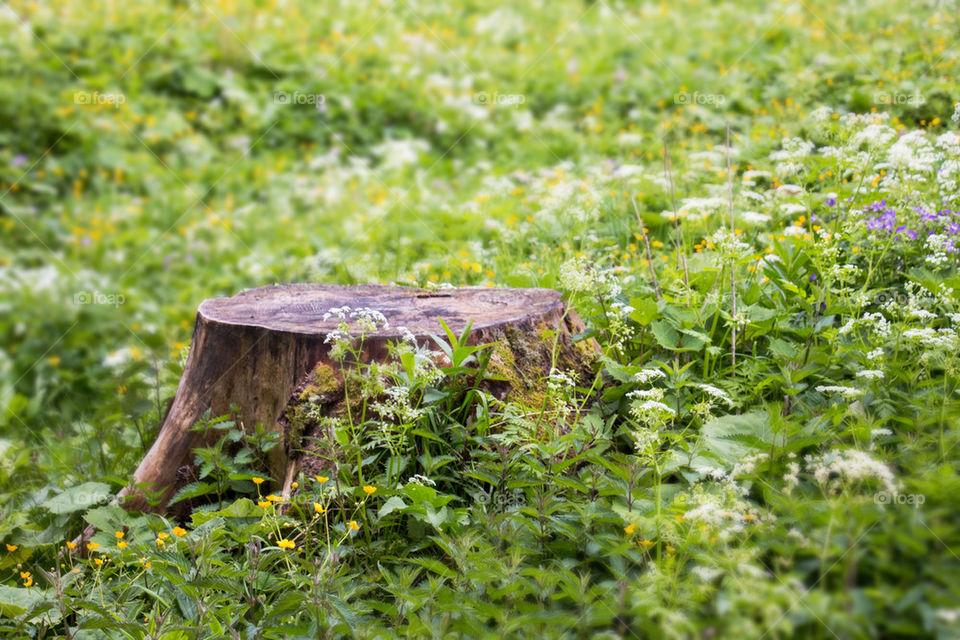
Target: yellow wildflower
column 286, row 544
column 353, row 525
column 258, row 481
column 179, row 532
column 318, row 508
column 91, row 546
column 630, row 528
column 12, row 547
column 263, row 504
column 121, row 545
column 321, row 479
column 368, row 489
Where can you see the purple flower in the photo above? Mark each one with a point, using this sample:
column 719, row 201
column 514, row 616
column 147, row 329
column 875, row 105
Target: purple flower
column 18, row 160
column 885, row 222
column 831, row 202
column 813, row 277
column 953, row 227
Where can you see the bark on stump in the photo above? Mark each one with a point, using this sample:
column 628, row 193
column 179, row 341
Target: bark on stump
column 260, row 348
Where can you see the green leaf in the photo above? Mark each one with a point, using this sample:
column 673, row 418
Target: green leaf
column 724, row 437
column 79, row 498
column 107, row 518
column 393, row 503
column 242, row 508
column 644, row 310
column 193, row 490
column 666, row 336
column 15, row 601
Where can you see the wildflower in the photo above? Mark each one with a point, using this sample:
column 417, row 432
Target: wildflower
column 670, row 549
column 163, row 535
column 119, row 535
column 24, row 575
column 321, row 479
column 646, row 375
column 12, row 547
column 852, row 465
column 630, row 528
column 121, row 545
column 257, row 481
column 273, row 498
column 651, row 408
column 714, row 392
column 646, row 543
column 71, row 545
column 368, row 489
column 28, row 581
column 263, row 504
column 353, row 525
column 295, row 485
column 706, row 574
column 286, row 544
column 647, row 394
column 846, row 392
column 92, row 546
column 179, row 532
column 318, row 508
column 160, row 542
column 98, row 561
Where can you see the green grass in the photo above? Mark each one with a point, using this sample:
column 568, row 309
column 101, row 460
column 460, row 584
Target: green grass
column 148, row 161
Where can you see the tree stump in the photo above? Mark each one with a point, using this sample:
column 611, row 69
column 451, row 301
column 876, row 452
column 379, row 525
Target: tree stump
column 258, row 349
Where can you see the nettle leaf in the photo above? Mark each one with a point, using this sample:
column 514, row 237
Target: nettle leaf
column 666, row 336
column 242, row 508
column 731, row 437
column 106, row 518
column 393, row 503
column 694, row 340
column 15, row 601
column 79, row 498
column 193, row 490
column 783, row 348
column 644, row 310
column 619, row 372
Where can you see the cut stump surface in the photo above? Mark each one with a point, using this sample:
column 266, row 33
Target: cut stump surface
column 255, row 350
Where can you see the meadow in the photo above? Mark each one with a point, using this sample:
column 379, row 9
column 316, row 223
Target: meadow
column 752, row 205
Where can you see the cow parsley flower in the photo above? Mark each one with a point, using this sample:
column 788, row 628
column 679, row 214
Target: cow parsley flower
column 646, row 375
column 846, row 392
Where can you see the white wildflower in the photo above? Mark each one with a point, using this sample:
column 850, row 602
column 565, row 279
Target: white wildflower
column 846, row 392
